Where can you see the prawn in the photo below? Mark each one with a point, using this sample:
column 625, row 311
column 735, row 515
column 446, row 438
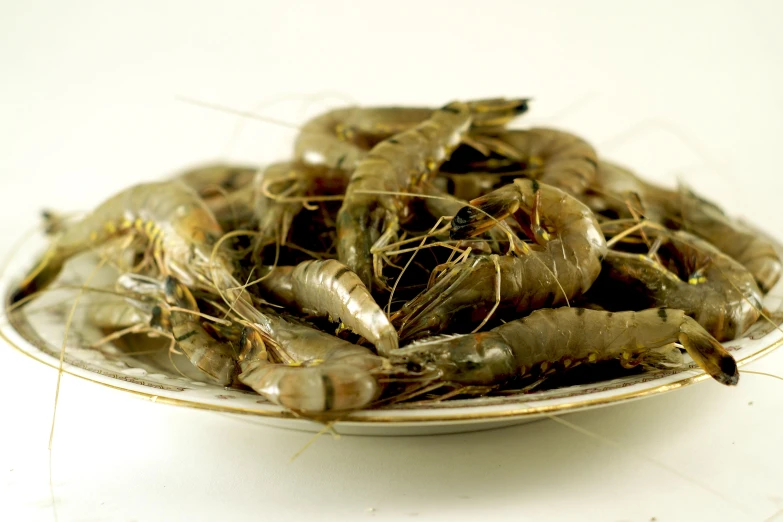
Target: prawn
column 551, row 156
column 340, row 138
column 329, row 288
column 684, row 209
column 320, row 373
column 562, row 265
column 554, row 340
column 215, row 358
column 369, row 217
column 717, row 291
column 170, row 214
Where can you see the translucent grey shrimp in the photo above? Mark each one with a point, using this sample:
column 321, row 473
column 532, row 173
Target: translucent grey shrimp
column 177, row 223
column 555, row 340
column 330, row 289
column 714, row 289
column 749, row 248
column 319, row 373
column 215, row 358
column 617, row 187
column 551, row 156
column 370, row 215
column 340, row 138
column 168, row 307
column 563, row 264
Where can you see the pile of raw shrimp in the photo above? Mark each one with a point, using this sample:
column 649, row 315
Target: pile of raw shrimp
column 421, row 254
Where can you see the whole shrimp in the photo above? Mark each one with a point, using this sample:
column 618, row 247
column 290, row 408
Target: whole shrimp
column 168, row 307
column 563, row 264
column 318, row 373
column 717, row 291
column 178, row 225
column 370, row 215
column 616, row 187
column 554, row 340
column 329, row 288
column 551, row 156
column 340, row 138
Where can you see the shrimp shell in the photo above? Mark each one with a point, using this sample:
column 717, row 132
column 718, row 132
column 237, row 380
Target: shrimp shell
column 554, row 340
column 330, row 289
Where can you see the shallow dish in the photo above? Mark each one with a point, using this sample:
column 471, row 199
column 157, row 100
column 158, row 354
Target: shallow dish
column 37, row 330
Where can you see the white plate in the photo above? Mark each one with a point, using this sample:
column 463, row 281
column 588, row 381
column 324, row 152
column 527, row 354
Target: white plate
column 37, row 330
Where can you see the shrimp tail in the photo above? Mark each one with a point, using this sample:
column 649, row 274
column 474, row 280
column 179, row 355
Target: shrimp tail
column 708, row 353
column 46, row 271
column 497, row 112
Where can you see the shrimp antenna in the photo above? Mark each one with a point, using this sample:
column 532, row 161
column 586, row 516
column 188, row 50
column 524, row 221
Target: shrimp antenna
column 238, row 112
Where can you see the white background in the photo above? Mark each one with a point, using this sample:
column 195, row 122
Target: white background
column 689, row 90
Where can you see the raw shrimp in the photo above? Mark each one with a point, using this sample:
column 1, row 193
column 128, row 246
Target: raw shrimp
column 563, row 265
column 756, row 253
column 216, row 358
column 329, row 288
column 717, row 291
column 176, row 221
column 616, row 186
column 320, row 373
column 553, row 340
column 342, row 137
column 370, row 215
column 551, row 156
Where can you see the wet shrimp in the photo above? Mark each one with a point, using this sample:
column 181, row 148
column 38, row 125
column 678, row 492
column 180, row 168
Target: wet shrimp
column 555, row 340
column 214, row 357
column 717, row 291
column 370, row 215
column 551, row 156
column 563, row 263
column 340, row 138
column 330, row 289
column 315, row 373
column 617, row 189
column 749, row 248
column 179, row 226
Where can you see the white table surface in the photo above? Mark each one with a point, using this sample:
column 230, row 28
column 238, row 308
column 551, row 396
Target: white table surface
column 678, row 90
